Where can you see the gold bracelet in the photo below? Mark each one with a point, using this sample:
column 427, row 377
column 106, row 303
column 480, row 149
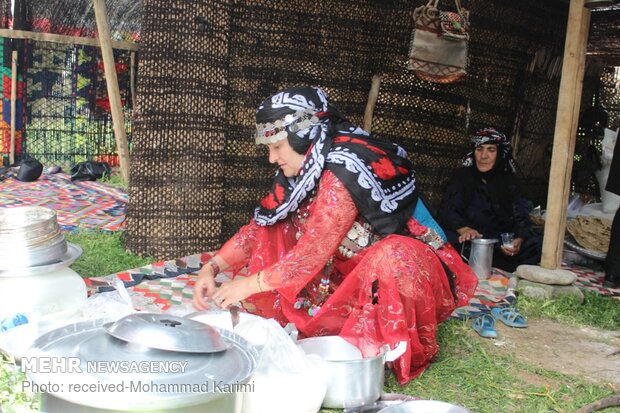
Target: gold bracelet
column 214, row 267
column 260, row 289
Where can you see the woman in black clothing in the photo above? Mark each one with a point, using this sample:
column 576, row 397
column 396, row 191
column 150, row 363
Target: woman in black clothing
column 483, row 200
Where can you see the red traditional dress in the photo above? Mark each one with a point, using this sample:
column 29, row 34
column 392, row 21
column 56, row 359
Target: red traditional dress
column 394, row 289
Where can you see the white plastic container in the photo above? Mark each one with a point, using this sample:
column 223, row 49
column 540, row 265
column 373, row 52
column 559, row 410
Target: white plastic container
column 44, row 291
column 60, row 291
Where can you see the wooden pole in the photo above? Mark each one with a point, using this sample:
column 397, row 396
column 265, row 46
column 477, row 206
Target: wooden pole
column 118, row 118
column 59, row 38
column 13, row 105
column 567, row 117
column 132, row 79
column 372, row 101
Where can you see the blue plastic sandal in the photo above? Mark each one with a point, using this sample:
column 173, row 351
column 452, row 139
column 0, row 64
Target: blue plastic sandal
column 509, row 316
column 485, row 326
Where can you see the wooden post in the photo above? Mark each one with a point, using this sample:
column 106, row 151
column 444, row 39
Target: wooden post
column 13, row 105
column 58, row 38
column 118, row 119
column 567, row 117
column 132, row 79
column 372, row 101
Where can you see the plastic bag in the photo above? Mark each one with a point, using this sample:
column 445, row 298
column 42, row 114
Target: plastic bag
column 29, row 170
column 90, row 171
column 610, row 201
column 110, row 304
column 285, row 379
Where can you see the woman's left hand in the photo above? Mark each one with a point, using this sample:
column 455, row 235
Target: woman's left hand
column 234, row 291
column 516, row 247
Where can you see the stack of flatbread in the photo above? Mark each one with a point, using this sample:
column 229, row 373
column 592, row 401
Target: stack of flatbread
column 590, row 232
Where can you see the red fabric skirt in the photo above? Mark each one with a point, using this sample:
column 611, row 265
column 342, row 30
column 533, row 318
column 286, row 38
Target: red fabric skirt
column 395, row 290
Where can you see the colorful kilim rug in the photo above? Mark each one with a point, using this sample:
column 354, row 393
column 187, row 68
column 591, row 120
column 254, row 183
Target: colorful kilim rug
column 170, row 283
column 496, row 291
column 90, row 204
column 166, row 284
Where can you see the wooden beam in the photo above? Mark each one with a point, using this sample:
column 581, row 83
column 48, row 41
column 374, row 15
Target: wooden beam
column 567, row 117
column 58, row 38
column 372, row 101
column 13, row 105
column 118, row 118
column 132, row 79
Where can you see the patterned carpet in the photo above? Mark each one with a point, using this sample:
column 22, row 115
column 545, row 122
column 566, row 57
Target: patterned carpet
column 592, row 280
column 90, row 205
column 164, row 285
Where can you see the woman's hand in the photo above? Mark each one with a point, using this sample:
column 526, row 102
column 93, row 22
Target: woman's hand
column 467, row 234
column 516, row 247
column 234, row 291
column 204, row 287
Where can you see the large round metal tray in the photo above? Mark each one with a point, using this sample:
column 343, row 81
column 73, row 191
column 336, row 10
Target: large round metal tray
column 20, row 268
column 15, row 342
column 94, row 351
column 386, row 400
column 424, row 406
column 572, row 244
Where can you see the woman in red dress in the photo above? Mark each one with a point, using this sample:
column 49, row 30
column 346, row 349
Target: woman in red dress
column 333, row 247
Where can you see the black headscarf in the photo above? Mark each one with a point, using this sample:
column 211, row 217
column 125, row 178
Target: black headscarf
column 501, row 180
column 378, row 175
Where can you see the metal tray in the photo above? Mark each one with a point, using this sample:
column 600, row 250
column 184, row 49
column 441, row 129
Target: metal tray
column 95, row 350
column 572, row 244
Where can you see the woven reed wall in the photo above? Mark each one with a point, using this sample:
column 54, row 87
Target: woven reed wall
column 177, row 178
column 196, row 175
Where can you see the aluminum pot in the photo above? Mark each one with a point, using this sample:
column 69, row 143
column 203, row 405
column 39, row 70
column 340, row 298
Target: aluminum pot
column 481, row 257
column 352, row 380
column 93, row 371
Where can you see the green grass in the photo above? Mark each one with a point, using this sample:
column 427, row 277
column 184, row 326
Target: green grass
column 116, row 179
column 596, row 310
column 470, row 374
column 104, row 253
column 467, row 370
column 12, row 399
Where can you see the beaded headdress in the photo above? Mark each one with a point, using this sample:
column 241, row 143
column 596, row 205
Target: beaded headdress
column 378, row 175
column 267, row 133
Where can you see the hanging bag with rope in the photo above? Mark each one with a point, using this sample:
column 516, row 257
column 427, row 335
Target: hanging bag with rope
column 438, row 50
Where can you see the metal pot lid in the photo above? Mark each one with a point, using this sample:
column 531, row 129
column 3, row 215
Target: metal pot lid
column 22, row 269
column 167, row 332
column 115, row 375
column 18, row 219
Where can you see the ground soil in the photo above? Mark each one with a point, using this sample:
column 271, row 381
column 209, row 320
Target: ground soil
column 584, row 352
